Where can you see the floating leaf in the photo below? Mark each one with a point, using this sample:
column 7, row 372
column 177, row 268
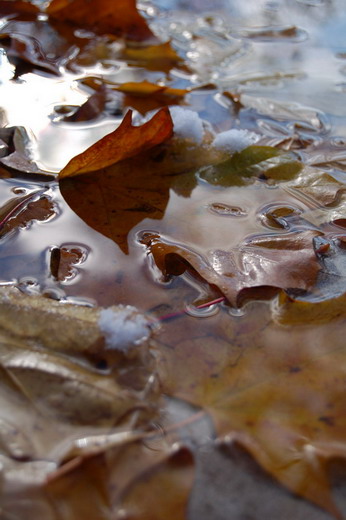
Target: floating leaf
column 63, row 261
column 126, row 141
column 22, row 8
column 262, row 263
column 145, row 88
column 116, row 199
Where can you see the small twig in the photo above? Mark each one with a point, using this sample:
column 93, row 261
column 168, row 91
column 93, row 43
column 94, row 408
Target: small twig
column 177, row 314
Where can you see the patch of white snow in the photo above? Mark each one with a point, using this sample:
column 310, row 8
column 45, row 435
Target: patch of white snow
column 123, row 327
column 187, row 123
column 234, row 140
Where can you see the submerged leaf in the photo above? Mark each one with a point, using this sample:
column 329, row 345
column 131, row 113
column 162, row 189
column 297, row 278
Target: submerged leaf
column 263, row 162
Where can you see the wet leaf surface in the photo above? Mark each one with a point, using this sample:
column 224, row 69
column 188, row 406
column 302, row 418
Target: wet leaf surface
column 235, row 368
column 236, row 257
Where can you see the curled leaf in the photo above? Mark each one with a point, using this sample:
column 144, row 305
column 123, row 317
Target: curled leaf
column 126, row 141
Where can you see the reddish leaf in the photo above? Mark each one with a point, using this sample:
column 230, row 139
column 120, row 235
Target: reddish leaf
column 119, row 17
column 126, row 141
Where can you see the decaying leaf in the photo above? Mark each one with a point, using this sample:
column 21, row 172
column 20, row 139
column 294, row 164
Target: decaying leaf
column 58, row 399
column 72, row 328
column 289, row 311
column 263, row 262
column 120, row 18
column 126, row 141
column 230, row 366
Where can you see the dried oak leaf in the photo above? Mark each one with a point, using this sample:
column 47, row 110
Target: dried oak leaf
column 124, row 142
column 119, row 17
column 277, row 390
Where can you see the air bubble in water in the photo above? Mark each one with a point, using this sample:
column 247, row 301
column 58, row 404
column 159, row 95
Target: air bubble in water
column 235, row 311
column 19, row 191
column 29, row 285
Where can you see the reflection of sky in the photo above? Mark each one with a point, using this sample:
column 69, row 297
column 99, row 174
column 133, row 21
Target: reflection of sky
column 310, row 71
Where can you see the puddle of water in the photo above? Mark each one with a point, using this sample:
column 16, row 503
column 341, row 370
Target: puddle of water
column 275, row 68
